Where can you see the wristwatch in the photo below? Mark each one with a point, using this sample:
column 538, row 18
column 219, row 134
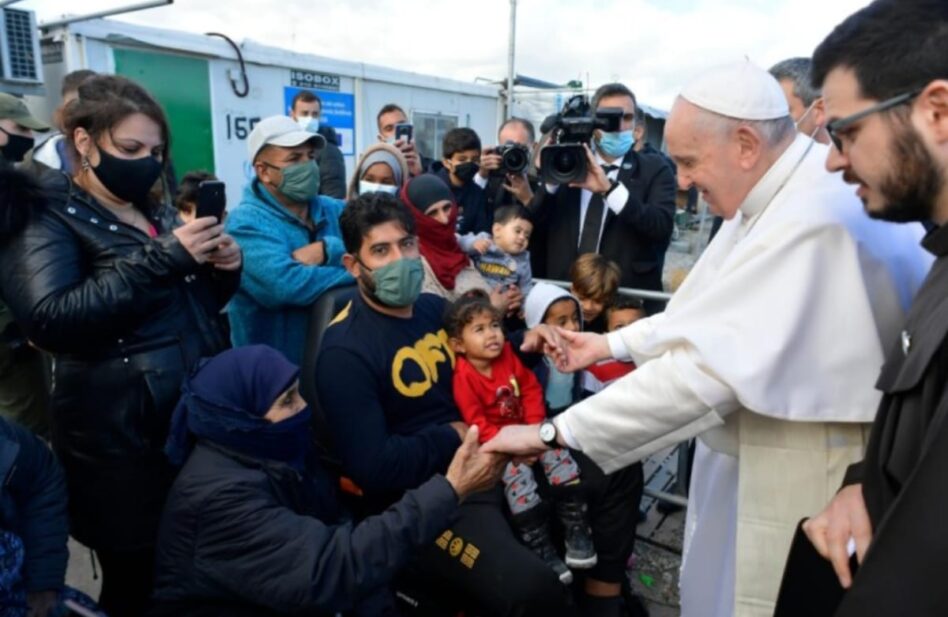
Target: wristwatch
column 548, row 434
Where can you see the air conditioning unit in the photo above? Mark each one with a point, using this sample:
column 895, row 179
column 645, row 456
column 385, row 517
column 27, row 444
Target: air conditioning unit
column 20, row 60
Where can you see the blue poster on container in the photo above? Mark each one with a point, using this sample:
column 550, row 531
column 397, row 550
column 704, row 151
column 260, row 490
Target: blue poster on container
column 338, row 111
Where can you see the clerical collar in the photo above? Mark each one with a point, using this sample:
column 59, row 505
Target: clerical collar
column 936, row 241
column 775, row 178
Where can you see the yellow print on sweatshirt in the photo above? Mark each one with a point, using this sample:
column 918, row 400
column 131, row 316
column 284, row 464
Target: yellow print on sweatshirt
column 426, row 354
column 494, row 269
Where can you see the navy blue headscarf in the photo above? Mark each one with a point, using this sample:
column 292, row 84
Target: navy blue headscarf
column 224, row 401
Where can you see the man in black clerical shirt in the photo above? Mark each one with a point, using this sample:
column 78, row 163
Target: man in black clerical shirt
column 884, row 75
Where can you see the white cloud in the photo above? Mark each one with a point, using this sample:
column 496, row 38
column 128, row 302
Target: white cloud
column 652, row 45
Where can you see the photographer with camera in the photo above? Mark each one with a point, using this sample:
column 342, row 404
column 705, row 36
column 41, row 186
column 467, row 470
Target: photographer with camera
column 617, row 202
column 504, row 175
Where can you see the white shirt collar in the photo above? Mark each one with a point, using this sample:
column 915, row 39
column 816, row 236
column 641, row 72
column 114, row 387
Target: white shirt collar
column 602, row 162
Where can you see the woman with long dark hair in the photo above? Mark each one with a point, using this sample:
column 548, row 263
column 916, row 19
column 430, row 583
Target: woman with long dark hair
column 102, row 276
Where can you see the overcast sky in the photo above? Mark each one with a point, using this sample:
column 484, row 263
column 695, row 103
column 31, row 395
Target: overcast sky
column 651, row 45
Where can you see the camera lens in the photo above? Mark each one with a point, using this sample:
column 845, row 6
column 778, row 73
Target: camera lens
column 565, row 162
column 515, row 160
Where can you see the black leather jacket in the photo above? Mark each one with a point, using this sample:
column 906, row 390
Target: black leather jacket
column 125, row 317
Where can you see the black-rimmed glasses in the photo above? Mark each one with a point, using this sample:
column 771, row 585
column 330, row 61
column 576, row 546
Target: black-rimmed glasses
column 833, row 128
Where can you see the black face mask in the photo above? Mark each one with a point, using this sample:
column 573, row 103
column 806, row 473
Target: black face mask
column 465, row 171
column 128, row 179
column 17, row 147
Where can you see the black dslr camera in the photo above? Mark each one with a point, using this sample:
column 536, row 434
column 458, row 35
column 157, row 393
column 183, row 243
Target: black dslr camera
column 564, row 159
column 514, row 158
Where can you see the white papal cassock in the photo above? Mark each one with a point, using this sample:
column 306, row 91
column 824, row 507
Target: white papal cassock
column 768, row 352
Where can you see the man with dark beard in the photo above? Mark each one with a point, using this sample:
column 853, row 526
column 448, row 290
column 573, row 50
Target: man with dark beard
column 884, row 75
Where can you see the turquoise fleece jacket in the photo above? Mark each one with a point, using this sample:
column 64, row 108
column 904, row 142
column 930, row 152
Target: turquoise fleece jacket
column 276, row 291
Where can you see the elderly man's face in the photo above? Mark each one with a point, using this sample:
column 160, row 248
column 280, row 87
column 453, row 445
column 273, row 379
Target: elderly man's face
column 884, row 155
column 273, row 160
column 706, row 159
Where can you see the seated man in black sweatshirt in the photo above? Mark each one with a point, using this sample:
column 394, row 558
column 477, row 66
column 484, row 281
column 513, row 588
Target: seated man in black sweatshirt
column 384, row 378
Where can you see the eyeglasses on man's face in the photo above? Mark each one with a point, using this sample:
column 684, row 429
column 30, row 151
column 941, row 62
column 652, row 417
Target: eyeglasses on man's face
column 837, row 128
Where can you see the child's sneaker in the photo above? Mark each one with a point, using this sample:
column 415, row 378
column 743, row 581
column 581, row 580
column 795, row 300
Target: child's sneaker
column 535, row 533
column 580, row 551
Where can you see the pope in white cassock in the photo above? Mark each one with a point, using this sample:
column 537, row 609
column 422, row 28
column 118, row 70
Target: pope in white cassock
column 767, row 352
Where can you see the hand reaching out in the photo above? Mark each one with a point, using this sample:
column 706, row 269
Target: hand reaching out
column 582, row 349
column 472, row 469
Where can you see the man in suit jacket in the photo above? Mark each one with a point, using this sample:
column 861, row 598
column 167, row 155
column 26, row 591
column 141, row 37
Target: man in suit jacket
column 625, row 211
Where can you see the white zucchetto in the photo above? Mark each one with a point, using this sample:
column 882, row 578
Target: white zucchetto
column 739, row 90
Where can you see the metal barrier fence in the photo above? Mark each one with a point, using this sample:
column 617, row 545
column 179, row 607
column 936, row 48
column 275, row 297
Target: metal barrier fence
column 645, row 294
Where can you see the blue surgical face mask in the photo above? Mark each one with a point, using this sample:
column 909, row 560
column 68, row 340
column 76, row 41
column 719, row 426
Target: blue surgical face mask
column 390, row 140
column 373, row 187
column 616, row 145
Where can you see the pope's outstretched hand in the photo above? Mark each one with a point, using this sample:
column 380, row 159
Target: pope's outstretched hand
column 582, row 349
column 518, row 440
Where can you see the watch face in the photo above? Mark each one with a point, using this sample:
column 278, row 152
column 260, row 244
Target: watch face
column 547, row 432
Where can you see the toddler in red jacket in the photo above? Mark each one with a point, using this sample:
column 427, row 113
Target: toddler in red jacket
column 492, row 389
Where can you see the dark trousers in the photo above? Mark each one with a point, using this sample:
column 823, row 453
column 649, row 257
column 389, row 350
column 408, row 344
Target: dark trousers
column 480, row 565
column 127, row 580
column 613, row 514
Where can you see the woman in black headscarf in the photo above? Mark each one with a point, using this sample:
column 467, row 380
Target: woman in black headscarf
column 253, row 526
column 449, row 272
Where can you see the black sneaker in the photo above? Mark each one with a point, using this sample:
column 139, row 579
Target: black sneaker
column 580, row 551
column 535, row 533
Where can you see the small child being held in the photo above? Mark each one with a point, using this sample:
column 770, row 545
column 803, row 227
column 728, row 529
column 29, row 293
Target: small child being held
column 554, row 306
column 594, row 281
column 503, row 258
column 492, row 389
column 623, row 311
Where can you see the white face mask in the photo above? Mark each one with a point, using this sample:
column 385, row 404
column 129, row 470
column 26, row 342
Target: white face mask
column 372, row 187
column 308, row 124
